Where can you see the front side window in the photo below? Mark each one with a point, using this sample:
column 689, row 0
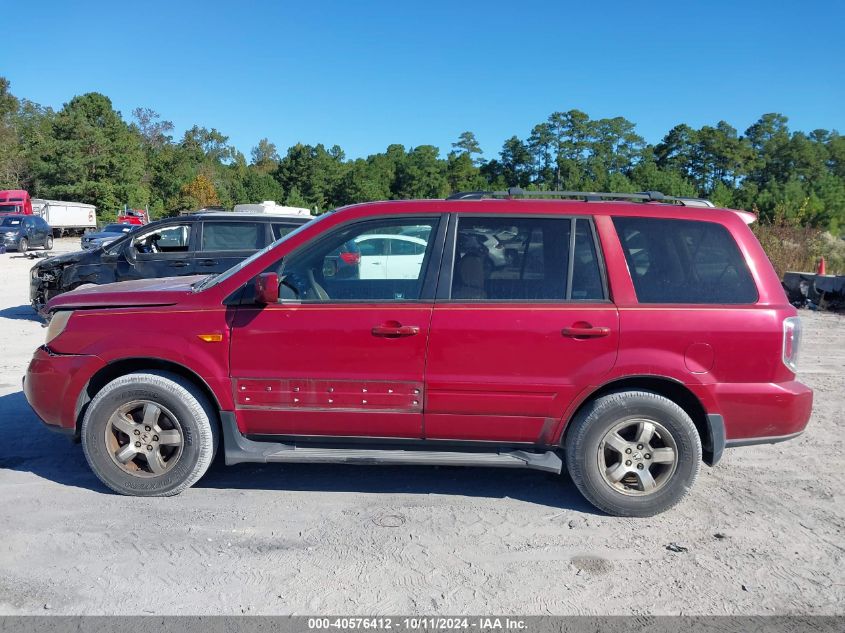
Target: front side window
column 367, row 261
column 684, row 261
column 170, row 239
column 233, row 236
column 525, row 259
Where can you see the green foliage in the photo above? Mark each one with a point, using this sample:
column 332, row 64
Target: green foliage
column 86, row 151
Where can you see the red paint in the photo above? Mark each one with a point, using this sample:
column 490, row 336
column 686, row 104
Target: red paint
column 17, row 198
column 501, row 372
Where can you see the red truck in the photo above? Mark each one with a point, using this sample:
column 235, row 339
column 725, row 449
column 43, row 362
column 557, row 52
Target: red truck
column 15, row 201
column 625, row 337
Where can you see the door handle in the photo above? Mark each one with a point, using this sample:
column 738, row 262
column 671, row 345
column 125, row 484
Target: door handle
column 178, row 264
column 207, row 262
column 395, row 330
column 585, row 331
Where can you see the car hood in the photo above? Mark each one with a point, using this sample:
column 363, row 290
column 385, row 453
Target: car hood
column 140, row 292
column 64, row 259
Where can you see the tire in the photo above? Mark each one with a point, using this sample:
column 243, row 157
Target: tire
column 48, row 245
column 121, row 408
column 23, row 246
column 602, row 446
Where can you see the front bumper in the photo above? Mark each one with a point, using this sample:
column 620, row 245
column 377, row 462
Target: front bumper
column 54, row 383
column 11, row 242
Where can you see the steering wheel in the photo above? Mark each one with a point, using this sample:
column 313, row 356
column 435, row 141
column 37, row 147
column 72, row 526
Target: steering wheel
column 305, row 285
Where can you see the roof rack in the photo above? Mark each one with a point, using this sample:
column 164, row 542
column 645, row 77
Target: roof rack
column 589, row 196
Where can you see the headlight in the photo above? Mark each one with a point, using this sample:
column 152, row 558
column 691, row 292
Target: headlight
column 57, row 324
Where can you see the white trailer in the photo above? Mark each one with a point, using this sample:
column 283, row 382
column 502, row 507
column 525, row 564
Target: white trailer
column 66, row 217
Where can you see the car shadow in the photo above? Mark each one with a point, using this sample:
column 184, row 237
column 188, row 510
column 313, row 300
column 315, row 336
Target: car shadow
column 27, row 445
column 20, row 313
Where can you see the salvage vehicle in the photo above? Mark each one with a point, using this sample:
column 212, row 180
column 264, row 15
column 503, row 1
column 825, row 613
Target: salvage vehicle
column 186, row 245
column 625, row 337
column 22, row 232
column 106, row 235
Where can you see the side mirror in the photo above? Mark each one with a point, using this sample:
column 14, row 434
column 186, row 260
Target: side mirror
column 267, row 288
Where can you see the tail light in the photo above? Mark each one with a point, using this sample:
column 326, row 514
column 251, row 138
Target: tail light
column 351, row 258
column 791, row 342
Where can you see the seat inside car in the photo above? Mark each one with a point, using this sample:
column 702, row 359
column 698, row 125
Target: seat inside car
column 470, row 277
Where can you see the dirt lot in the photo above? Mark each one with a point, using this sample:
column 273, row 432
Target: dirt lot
column 764, row 532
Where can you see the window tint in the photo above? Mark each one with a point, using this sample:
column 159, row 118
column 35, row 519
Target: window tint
column 684, row 261
column 507, row 259
column 356, row 263
column 232, row 236
column 586, row 274
column 280, row 230
column 407, row 246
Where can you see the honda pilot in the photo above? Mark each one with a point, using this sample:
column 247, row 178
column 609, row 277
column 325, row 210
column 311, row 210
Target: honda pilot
column 626, row 338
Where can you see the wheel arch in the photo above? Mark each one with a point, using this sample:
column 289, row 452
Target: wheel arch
column 669, row 388
column 123, row 366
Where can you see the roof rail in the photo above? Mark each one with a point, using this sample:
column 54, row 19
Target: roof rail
column 644, row 196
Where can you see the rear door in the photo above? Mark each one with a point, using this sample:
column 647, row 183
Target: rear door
column 521, row 325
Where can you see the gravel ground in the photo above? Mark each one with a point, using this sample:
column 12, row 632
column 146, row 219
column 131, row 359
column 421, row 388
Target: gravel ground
column 762, row 533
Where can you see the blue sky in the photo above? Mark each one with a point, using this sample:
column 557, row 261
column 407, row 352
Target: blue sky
column 366, row 74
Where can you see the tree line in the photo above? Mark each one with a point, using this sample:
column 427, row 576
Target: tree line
column 88, row 152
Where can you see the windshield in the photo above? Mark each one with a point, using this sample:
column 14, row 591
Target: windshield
column 11, row 222
column 213, row 280
column 117, row 228
column 10, row 208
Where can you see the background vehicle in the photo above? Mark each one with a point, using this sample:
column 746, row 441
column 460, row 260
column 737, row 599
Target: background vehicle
column 629, row 340
column 15, row 201
column 23, row 232
column 200, row 243
column 137, row 217
column 390, row 256
column 66, row 217
column 106, row 235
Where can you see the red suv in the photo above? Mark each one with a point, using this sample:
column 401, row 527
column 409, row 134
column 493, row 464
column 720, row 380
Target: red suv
column 628, row 336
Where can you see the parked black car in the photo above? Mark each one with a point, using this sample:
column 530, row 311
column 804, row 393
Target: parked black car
column 106, row 235
column 200, row 243
column 22, row 232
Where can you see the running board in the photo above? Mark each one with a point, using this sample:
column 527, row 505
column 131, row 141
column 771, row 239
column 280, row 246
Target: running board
column 239, row 449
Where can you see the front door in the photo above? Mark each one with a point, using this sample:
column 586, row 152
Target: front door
column 340, row 354
column 521, row 325
column 166, row 251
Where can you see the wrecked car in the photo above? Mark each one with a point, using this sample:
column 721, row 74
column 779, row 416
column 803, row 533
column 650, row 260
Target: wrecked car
column 199, row 243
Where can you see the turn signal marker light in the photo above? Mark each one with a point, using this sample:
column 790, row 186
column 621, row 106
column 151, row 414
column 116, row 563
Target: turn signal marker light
column 211, row 338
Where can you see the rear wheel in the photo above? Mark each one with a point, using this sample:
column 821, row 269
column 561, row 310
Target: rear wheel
column 633, row 453
column 23, row 245
column 149, row 434
column 48, row 245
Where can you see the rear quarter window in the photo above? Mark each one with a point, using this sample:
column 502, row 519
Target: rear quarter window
column 684, row 261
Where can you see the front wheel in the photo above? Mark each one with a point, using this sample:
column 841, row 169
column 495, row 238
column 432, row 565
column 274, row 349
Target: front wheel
column 23, row 245
column 149, row 434
column 633, row 453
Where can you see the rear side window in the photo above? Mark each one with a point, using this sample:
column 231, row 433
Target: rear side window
column 232, row 236
column 684, row 261
column 280, row 230
column 525, row 259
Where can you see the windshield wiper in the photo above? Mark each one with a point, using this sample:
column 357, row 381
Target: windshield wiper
column 199, row 285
